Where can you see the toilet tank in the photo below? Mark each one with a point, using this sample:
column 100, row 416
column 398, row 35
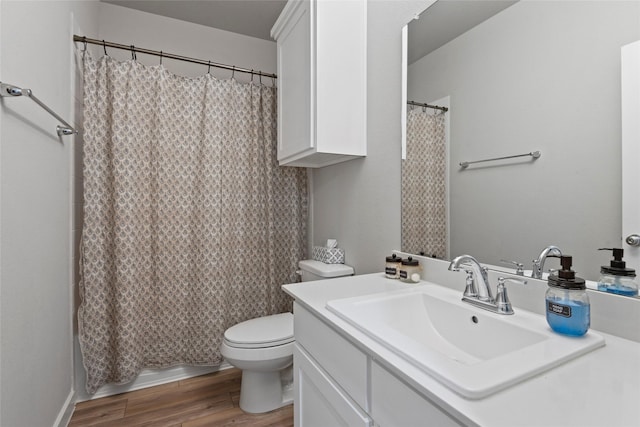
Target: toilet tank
column 317, row 270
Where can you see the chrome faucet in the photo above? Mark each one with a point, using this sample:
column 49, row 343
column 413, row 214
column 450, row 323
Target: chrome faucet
column 538, row 264
column 478, row 288
column 480, row 295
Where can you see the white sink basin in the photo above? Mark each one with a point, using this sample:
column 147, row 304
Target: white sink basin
column 472, row 351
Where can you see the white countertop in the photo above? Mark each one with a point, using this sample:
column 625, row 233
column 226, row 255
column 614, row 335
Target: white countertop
column 601, row 388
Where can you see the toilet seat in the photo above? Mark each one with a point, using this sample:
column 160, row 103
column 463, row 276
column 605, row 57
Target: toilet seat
column 262, row 332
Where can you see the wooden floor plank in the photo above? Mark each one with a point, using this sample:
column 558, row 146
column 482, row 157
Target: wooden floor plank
column 207, row 400
column 172, row 415
column 217, row 419
column 208, row 380
column 173, row 400
column 236, row 417
column 96, row 414
column 100, row 402
column 162, row 388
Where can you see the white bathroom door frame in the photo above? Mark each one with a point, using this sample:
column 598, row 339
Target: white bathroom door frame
column 630, row 55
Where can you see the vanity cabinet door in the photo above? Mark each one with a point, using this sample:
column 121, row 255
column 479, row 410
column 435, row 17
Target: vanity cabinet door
column 394, row 403
column 339, row 358
column 318, row 400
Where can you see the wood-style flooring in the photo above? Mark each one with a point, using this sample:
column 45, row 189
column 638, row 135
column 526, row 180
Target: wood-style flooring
column 207, row 400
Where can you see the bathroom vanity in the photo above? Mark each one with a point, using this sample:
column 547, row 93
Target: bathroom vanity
column 343, row 376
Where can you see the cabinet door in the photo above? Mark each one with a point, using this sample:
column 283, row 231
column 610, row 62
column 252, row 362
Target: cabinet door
column 394, row 403
column 322, row 82
column 339, row 358
column 294, row 82
column 318, row 401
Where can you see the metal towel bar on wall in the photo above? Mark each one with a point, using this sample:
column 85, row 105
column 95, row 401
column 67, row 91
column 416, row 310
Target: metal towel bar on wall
column 11, row 90
column 534, row 154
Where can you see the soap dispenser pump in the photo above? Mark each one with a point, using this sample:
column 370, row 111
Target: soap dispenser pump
column 567, row 302
column 616, row 278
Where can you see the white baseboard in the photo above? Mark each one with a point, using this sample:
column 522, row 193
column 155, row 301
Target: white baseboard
column 154, row 377
column 63, row 418
column 147, row 378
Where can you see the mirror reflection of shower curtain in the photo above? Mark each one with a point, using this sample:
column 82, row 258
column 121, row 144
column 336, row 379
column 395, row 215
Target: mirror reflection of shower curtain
column 424, row 193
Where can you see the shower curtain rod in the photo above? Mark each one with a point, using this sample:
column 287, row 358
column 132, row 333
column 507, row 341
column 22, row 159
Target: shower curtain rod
column 421, row 104
column 162, row 54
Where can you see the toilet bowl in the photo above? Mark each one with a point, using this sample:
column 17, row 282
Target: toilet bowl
column 263, row 349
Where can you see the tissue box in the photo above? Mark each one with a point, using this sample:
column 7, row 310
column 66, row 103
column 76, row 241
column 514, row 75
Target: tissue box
column 328, row 255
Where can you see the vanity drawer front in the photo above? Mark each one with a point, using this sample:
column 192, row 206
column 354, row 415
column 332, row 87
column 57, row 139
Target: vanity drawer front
column 394, row 403
column 318, row 401
column 338, row 357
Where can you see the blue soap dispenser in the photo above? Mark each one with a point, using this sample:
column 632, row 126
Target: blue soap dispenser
column 616, row 278
column 568, row 308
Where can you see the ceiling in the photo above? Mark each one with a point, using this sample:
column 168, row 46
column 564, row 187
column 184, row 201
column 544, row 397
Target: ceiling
column 249, row 17
column 442, row 22
column 445, row 20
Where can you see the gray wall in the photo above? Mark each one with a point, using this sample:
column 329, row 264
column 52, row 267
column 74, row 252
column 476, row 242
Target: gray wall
column 129, row 26
column 36, row 172
column 538, row 76
column 358, row 202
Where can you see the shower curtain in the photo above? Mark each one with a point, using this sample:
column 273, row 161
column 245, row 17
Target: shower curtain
column 424, row 193
column 190, row 226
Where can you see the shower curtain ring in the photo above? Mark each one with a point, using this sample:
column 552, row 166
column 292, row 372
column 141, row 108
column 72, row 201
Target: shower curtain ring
column 104, row 46
column 252, row 75
column 209, row 69
column 160, row 57
column 133, row 53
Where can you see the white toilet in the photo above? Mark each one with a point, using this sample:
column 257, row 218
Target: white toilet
column 263, row 349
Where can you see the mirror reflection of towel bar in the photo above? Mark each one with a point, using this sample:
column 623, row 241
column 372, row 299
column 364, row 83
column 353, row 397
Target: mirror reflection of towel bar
column 534, row 154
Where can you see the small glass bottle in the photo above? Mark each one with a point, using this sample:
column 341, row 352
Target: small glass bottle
column 410, row 270
column 392, row 267
column 616, row 278
column 567, row 303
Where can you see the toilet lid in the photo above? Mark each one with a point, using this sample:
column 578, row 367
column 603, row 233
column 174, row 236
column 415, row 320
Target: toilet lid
column 265, row 331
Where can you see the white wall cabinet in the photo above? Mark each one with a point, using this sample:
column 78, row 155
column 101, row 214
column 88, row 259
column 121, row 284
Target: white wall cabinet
column 322, row 81
column 337, row 384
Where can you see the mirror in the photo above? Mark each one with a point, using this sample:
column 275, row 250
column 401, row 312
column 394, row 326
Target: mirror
column 529, row 76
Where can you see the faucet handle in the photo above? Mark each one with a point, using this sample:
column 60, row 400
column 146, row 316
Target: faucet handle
column 503, row 304
column 503, row 280
column 519, row 266
column 470, row 290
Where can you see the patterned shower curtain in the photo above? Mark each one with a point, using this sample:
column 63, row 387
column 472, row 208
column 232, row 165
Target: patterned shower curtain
column 424, row 193
column 190, row 226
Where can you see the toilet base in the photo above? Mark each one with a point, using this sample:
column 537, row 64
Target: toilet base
column 265, row 391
